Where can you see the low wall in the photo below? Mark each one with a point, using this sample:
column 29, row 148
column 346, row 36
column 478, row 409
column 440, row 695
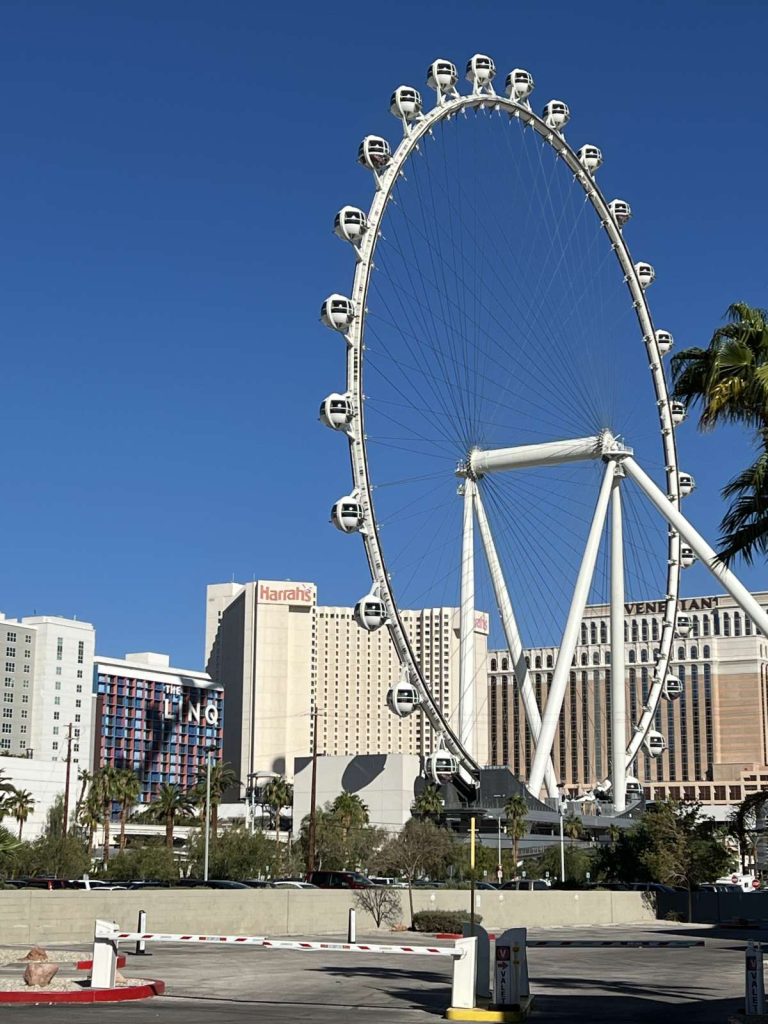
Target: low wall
column 714, row 907
column 32, row 915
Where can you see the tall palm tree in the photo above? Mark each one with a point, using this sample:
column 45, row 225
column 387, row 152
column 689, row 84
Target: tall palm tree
column 6, row 791
column 171, row 802
column 428, row 804
column 104, row 789
column 516, row 812
column 223, row 777
column 277, row 794
column 127, row 790
column 350, row 812
column 728, row 380
column 85, row 778
column 21, row 803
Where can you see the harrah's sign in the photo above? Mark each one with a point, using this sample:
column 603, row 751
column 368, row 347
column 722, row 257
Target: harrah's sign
column 271, row 592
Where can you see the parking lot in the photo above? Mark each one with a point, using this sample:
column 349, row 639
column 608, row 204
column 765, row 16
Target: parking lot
column 205, row 983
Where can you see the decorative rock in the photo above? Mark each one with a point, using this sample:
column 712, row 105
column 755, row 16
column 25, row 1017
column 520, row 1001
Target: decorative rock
column 120, row 979
column 39, row 975
column 36, row 953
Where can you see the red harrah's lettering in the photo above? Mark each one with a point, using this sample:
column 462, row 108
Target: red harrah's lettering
column 296, row 594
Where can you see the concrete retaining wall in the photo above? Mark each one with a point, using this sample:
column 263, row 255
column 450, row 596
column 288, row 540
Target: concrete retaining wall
column 33, row 915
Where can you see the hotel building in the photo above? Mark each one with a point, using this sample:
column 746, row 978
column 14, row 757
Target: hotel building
column 716, row 732
column 279, row 655
column 48, row 667
column 157, row 720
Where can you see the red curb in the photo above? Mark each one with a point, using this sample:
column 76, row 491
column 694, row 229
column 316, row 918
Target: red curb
column 87, row 995
column 86, row 965
column 448, row 935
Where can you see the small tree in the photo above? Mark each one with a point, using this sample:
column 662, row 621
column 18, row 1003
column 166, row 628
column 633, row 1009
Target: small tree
column 420, row 848
column 277, row 794
column 223, row 777
column 127, row 790
column 516, row 812
column 381, row 903
column 573, row 826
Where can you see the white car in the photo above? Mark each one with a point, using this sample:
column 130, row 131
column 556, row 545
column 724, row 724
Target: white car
column 293, row 885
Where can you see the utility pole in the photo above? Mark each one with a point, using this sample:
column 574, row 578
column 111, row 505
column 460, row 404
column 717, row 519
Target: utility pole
column 66, row 781
column 313, row 797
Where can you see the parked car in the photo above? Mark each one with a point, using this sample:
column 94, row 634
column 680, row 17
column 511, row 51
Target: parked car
column 387, row 882
column 290, row 883
column 650, row 887
column 258, row 883
column 527, row 885
column 212, row 883
column 485, row 885
column 339, row 880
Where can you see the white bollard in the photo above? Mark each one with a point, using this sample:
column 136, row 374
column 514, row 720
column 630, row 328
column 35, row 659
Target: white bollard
column 483, row 982
column 352, row 926
column 141, row 946
column 104, row 955
column 464, row 974
column 754, row 998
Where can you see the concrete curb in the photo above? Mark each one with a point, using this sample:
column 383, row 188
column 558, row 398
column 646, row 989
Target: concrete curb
column 144, row 990
column 508, row 1015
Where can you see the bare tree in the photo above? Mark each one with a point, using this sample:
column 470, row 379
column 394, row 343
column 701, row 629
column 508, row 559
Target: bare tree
column 421, row 848
column 381, row 903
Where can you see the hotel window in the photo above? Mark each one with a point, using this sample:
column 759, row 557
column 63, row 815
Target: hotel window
column 737, row 624
column 584, row 635
column 634, row 631
column 603, row 632
column 592, row 633
column 654, row 629
column 80, row 652
column 7, row 712
column 695, row 625
column 644, row 630
column 59, row 648
column 10, row 638
column 694, row 652
column 10, row 652
column 10, row 666
column 706, row 651
column 726, row 624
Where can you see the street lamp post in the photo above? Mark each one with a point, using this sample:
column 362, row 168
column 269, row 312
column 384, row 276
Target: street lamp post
column 562, row 807
column 208, row 752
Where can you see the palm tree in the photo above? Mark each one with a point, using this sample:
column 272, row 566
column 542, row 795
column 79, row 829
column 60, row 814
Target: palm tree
column 573, row 826
column 277, row 794
column 516, row 812
column 104, row 789
column 223, row 777
column 729, row 381
column 6, row 791
column 350, row 812
column 171, row 802
column 20, row 805
column 85, row 778
column 127, row 790
column 428, row 804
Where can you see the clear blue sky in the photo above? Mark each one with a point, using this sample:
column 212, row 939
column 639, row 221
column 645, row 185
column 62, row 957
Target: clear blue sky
column 170, row 173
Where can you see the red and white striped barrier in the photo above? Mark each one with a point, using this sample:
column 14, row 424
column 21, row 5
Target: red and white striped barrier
column 624, row 943
column 242, row 940
column 360, row 947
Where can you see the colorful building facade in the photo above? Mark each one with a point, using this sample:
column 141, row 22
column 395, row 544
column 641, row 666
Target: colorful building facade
column 156, row 720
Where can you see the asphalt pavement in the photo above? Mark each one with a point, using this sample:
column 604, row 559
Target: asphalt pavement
column 225, row 985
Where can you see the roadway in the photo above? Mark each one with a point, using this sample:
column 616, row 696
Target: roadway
column 235, row 986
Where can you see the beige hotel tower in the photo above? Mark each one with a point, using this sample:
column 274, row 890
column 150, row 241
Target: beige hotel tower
column 278, row 655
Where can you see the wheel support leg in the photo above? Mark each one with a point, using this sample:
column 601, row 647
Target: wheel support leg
column 467, row 624
column 557, row 688
column 618, row 694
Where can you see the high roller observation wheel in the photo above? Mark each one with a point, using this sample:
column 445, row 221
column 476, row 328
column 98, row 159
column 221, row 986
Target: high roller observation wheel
column 350, row 318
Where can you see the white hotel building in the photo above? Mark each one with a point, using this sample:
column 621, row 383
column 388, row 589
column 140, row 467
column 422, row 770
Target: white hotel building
column 47, row 683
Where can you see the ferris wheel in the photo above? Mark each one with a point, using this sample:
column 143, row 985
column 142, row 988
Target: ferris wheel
column 514, row 440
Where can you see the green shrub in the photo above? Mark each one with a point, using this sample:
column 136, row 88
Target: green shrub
column 442, row 920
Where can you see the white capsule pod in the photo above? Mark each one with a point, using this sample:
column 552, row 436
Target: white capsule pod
column 370, row 613
column 556, row 115
column 405, row 103
column 665, row 341
column 336, row 411
column 683, row 625
column 374, row 153
column 677, row 411
column 673, row 688
column 403, row 699
column 686, row 484
column 646, row 274
column 441, row 766
column 519, row 85
column 481, row 71
column 442, row 76
column 590, row 158
column 687, row 557
column 633, row 789
column 350, row 224
column 621, row 211
column 337, row 312
column 654, row 744
column 347, row 514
